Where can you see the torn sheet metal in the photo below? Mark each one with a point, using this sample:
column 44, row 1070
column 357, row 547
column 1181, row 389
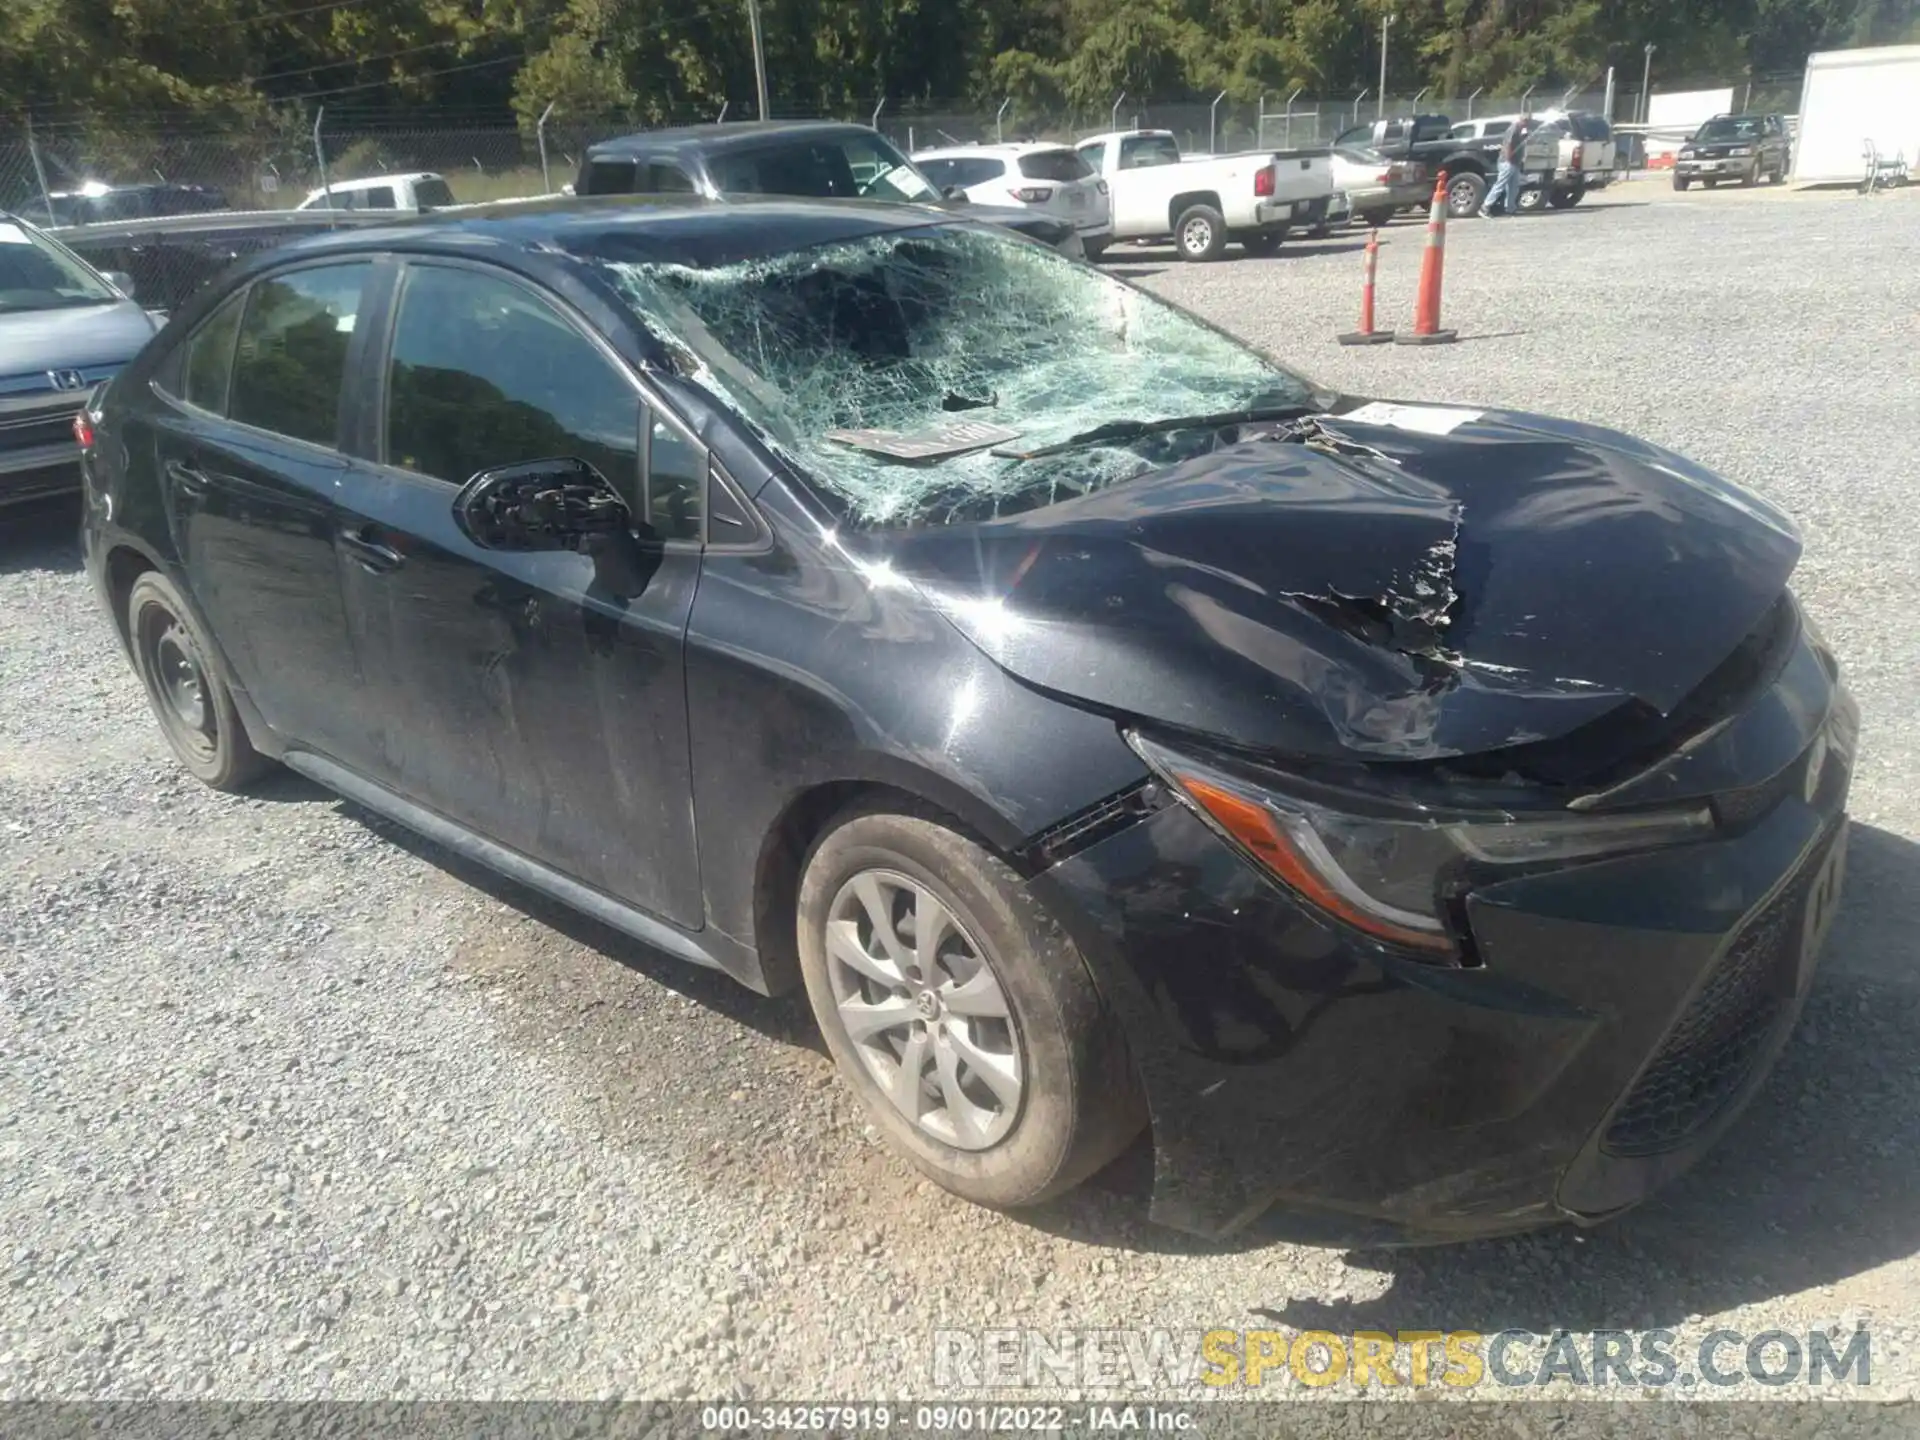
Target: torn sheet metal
column 1430, row 596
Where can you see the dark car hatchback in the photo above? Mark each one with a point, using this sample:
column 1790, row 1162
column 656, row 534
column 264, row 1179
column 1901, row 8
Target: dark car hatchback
column 1423, row 814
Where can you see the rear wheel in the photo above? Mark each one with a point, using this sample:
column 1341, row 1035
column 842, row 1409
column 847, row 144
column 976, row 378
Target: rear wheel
column 189, row 699
column 1201, row 233
column 1567, row 198
column 960, row 1012
column 1263, row 242
column 1376, row 218
column 1681, row 182
column 1465, row 194
column 1532, row 198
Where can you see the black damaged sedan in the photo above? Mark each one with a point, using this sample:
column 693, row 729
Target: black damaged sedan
column 1422, row 815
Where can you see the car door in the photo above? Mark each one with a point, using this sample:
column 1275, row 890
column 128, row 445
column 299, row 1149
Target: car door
column 521, row 698
column 248, row 445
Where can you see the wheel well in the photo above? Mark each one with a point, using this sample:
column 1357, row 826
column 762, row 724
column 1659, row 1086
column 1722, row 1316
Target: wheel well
column 124, row 566
column 1182, row 202
column 784, row 852
column 1464, row 164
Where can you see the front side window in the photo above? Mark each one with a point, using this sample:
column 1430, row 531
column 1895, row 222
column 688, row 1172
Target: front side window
column 290, row 363
column 432, row 191
column 668, row 180
column 484, row 373
column 676, row 481
column 208, row 362
column 844, row 168
column 377, row 197
column 609, row 177
column 919, row 332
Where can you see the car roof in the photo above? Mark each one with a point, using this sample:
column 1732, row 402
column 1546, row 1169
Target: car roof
column 674, row 230
column 996, row 149
column 367, row 182
column 716, row 139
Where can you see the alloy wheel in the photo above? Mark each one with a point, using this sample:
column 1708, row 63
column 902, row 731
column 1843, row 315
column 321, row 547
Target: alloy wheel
column 1196, row 236
column 919, row 1000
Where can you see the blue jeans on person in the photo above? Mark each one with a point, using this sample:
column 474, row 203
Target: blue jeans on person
column 1504, row 198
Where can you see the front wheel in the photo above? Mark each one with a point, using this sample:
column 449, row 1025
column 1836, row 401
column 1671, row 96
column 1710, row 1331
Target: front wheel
column 1531, row 199
column 959, row 1011
column 189, row 698
column 1201, row 233
column 1681, row 182
column 1465, row 195
column 1094, row 250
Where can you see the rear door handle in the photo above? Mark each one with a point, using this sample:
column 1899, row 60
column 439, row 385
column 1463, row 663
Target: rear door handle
column 186, row 479
column 369, row 552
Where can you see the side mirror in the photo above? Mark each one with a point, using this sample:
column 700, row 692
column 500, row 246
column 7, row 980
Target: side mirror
column 541, row 505
column 120, row 281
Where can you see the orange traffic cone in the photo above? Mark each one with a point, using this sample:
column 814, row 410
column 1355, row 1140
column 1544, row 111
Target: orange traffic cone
column 1426, row 310
column 1366, row 334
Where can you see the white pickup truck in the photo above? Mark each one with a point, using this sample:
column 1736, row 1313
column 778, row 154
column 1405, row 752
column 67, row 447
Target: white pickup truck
column 1253, row 198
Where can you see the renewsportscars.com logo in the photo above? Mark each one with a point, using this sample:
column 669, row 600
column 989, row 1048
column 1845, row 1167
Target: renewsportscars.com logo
column 1172, row 1360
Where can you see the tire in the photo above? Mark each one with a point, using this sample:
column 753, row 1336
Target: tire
column 1376, row 219
column 1709, row 181
column 1262, row 242
column 1532, row 198
column 184, row 686
column 1466, row 193
column 1095, row 249
column 1064, row 1099
column 1200, row 233
column 1681, row 182
column 1752, row 177
column 1567, row 199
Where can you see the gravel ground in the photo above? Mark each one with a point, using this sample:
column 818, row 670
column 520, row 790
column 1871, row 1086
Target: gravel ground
column 292, row 1105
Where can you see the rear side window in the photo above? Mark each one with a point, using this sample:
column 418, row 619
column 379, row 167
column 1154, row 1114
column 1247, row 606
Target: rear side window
column 1592, row 127
column 377, row 197
column 609, row 177
column 1139, row 151
column 485, row 373
column 1060, row 165
column 291, row 358
column 963, row 170
column 432, row 192
column 805, row 169
column 1429, row 129
column 208, row 363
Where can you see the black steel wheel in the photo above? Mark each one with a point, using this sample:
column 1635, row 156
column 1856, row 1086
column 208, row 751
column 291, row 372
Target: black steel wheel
column 189, row 696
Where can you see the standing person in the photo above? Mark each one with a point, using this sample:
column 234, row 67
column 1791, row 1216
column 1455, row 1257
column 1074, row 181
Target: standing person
column 1504, row 198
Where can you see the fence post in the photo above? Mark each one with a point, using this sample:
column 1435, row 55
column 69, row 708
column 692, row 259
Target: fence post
column 540, row 134
column 1290, row 99
column 1113, row 118
column 721, row 118
column 1213, row 129
column 320, row 158
column 998, row 116
column 1365, row 90
column 1473, row 97
column 40, row 172
column 1609, row 94
column 875, row 121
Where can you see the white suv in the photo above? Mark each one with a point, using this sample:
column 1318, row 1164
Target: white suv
column 1049, row 178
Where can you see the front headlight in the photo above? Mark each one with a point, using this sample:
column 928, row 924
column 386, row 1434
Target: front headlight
column 1388, row 875
column 1686, row 154
column 1740, row 150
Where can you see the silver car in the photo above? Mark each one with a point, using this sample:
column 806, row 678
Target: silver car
column 64, row 328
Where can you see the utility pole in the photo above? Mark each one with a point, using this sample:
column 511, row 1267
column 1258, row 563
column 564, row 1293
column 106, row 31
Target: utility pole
column 759, row 57
column 1646, row 88
column 1386, row 24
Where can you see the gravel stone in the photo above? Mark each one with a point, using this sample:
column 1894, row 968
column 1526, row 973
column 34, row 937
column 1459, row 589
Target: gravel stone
column 292, row 1104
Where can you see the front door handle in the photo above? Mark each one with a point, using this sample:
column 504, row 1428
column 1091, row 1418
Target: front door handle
column 369, row 552
column 186, row 479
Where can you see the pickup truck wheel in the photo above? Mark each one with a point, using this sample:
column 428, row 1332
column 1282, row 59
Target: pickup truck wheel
column 1709, row 182
column 1681, row 182
column 1532, row 198
column 1465, row 194
column 1095, row 249
column 1375, row 219
column 1263, row 242
column 1201, row 233
column 1566, row 199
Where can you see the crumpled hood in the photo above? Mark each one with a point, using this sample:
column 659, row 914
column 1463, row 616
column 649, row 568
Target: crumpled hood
column 1368, row 590
column 80, row 337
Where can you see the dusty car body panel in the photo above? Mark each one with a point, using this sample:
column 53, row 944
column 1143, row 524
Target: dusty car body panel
column 1324, row 591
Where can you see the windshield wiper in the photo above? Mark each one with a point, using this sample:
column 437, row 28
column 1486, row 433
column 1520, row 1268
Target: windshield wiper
column 1125, row 430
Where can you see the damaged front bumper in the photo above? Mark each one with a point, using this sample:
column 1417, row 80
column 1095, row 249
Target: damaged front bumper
column 1618, row 1014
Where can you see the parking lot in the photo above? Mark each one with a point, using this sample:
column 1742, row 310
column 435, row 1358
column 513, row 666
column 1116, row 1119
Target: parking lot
column 294, row 1105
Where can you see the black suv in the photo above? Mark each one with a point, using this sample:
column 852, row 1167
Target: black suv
column 1735, row 147
column 816, row 159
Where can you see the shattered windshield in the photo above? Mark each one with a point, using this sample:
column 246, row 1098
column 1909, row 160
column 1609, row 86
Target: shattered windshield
column 907, row 373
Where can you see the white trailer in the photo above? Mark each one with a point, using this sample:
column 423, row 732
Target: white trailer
column 1851, row 97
